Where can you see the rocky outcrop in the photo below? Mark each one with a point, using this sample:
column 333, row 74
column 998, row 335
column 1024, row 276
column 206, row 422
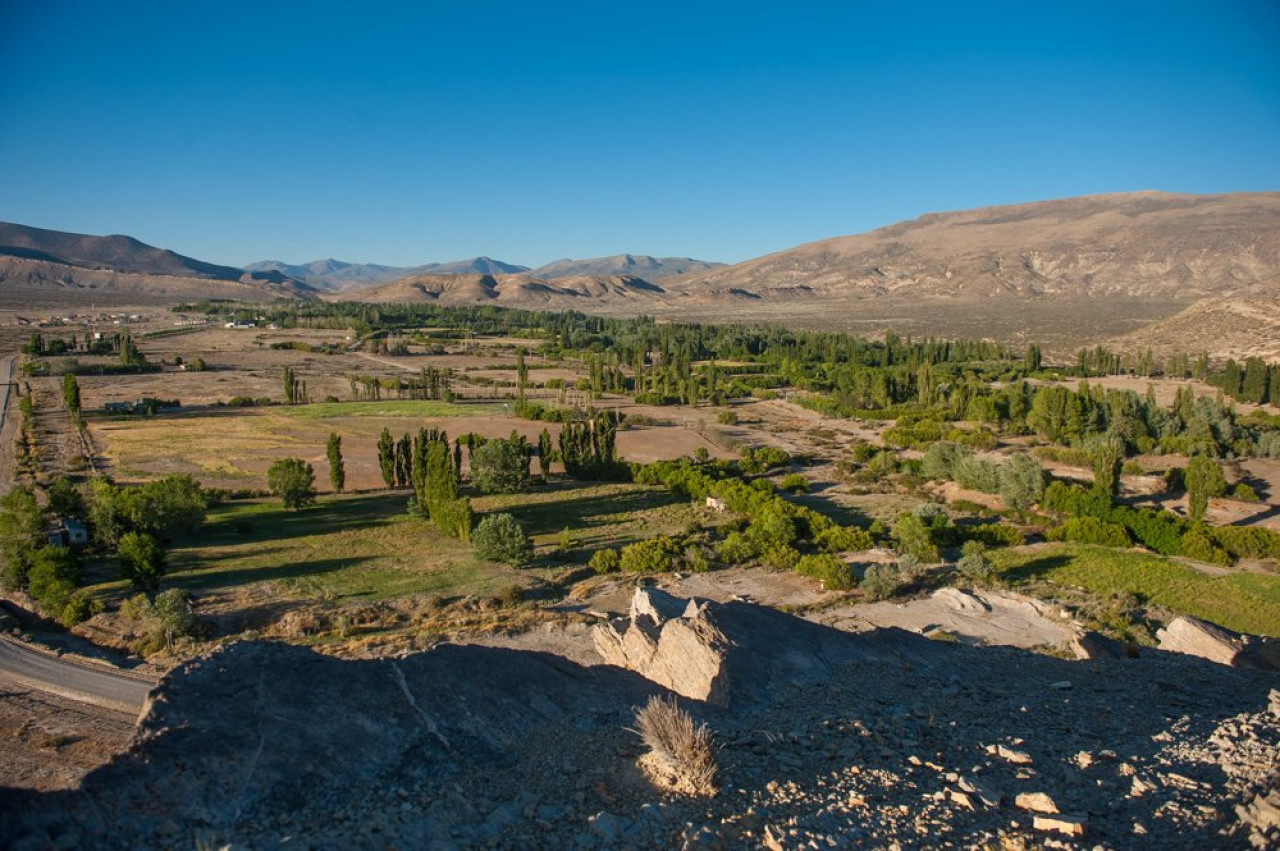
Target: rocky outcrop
column 872, row 739
column 1195, row 637
column 683, row 652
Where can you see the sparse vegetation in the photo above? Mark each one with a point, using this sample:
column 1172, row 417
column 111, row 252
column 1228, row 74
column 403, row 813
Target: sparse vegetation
column 681, row 749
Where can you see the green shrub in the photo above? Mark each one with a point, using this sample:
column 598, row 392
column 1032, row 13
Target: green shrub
column 795, row 483
column 833, row 573
column 605, row 561
column 910, row 568
column 727, row 418
column 1247, row 541
column 1197, row 544
column 736, row 548
column 53, row 579
column 974, row 564
column 294, row 481
column 780, row 556
column 500, row 466
column 993, row 534
column 1244, row 493
column 500, row 537
column 1090, row 530
column 881, row 581
column 912, row 536
column 841, row 539
column 655, row 555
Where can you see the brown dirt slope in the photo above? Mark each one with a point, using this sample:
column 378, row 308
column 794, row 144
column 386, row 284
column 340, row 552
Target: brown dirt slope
column 1148, row 244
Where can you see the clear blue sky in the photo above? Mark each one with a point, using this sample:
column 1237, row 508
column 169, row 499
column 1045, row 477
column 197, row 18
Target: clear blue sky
column 416, row 132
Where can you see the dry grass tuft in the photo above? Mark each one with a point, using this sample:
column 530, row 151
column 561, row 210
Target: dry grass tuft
column 681, row 754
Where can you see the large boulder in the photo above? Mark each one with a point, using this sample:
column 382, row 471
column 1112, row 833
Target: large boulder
column 1195, row 637
column 670, row 642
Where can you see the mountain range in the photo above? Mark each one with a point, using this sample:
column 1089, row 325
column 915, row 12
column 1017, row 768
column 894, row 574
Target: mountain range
column 1142, row 268
column 341, row 276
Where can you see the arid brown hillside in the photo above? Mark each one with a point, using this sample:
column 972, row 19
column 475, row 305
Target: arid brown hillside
column 40, row 283
column 48, row 266
column 1147, row 244
column 581, row 291
column 638, row 265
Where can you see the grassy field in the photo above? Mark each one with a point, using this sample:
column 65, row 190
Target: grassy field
column 366, row 547
column 1246, row 602
column 390, row 408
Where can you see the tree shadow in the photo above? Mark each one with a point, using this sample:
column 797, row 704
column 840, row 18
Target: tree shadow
column 1036, row 568
column 588, row 512
column 213, row 579
column 229, row 527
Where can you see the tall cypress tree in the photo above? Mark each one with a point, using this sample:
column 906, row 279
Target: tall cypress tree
column 386, row 457
column 337, row 470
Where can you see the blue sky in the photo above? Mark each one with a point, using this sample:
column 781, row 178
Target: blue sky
column 416, row 132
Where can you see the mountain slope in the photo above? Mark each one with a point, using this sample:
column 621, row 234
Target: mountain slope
column 1146, row 244
column 54, row 262
column 117, row 253
column 522, row 290
column 639, row 265
column 338, row 275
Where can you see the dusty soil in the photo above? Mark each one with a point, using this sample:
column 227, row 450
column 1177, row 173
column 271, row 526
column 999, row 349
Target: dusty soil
column 52, row 743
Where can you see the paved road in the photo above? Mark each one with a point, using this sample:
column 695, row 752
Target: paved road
column 80, row 682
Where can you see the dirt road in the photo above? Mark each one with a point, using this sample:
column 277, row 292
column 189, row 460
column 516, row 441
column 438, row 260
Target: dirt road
column 80, row 682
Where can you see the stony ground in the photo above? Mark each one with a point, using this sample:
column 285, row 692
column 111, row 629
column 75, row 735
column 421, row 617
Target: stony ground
column 829, row 739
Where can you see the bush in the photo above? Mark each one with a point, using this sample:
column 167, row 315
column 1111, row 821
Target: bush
column 682, row 749
column 842, row 539
column 656, row 555
column 500, row 466
column 1090, row 530
column 142, row 560
column 833, row 573
column 1021, row 482
column 605, row 561
column 795, row 483
column 912, row 536
column 780, row 557
column 1244, row 493
column 881, row 581
column 167, row 617
column 1197, row 544
column 53, row 579
column 1248, row 541
column 736, row 548
column 993, row 535
column 974, row 564
column 500, row 537
column 727, row 418
column 772, row 528
column 294, row 481
column 910, row 568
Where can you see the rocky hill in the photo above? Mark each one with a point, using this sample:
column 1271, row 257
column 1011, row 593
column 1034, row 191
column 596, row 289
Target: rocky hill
column 35, row 262
column 338, row 275
column 1147, row 244
column 580, row 292
column 634, row 265
column 825, row 738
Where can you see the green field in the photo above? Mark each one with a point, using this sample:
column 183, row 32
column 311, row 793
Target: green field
column 367, row 547
column 1246, row 602
column 425, row 409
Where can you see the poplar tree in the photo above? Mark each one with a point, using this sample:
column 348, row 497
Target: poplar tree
column 337, row 470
